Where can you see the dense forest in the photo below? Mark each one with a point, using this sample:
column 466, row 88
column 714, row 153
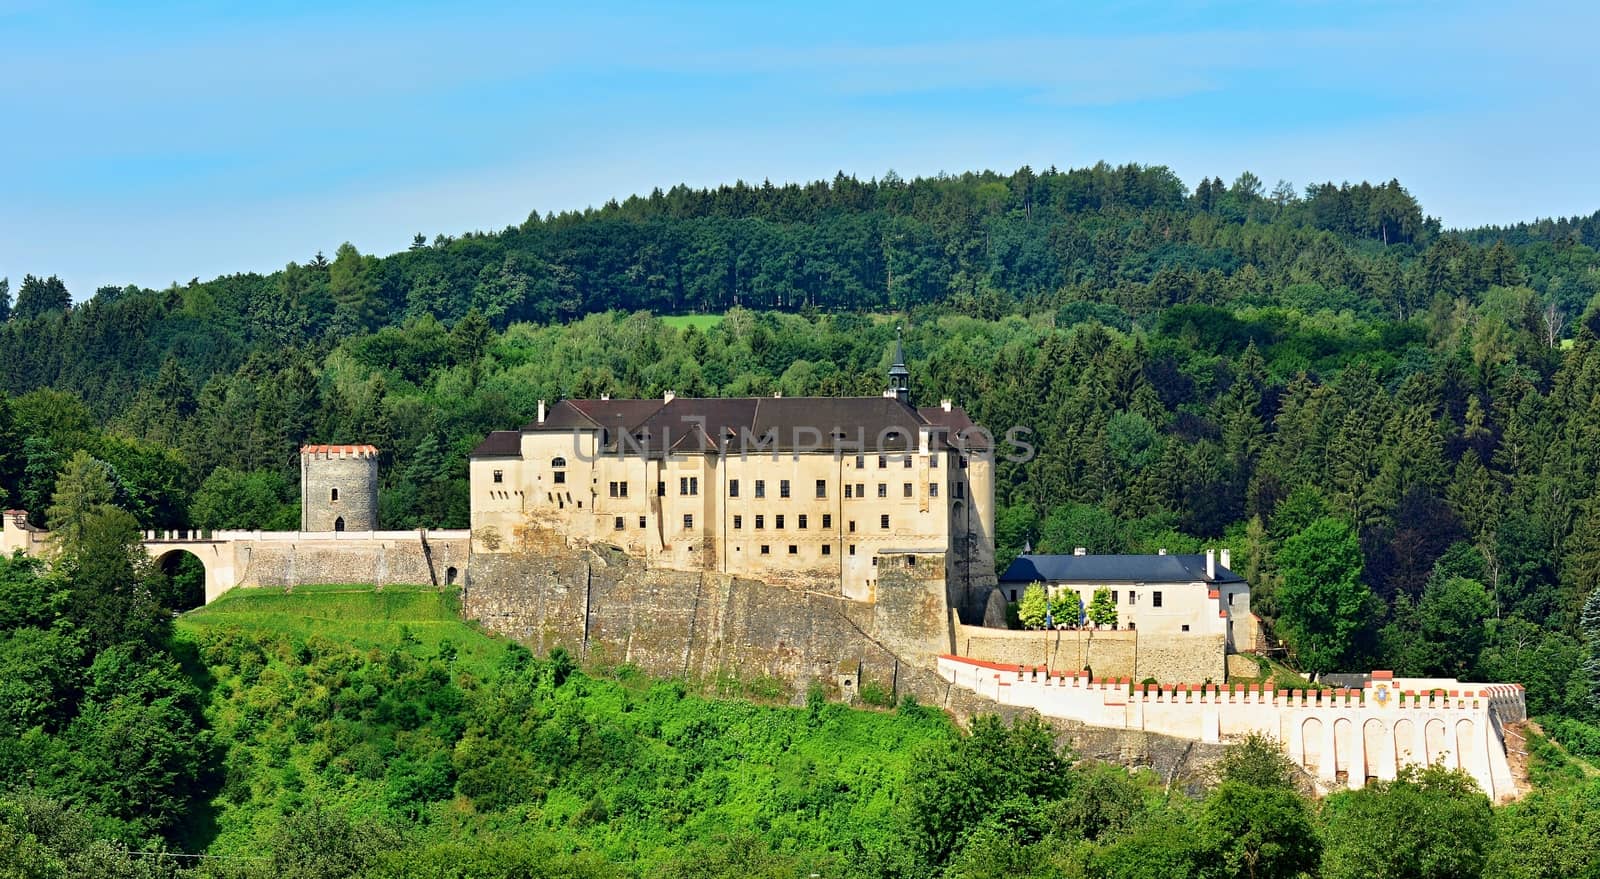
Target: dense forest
column 1392, row 423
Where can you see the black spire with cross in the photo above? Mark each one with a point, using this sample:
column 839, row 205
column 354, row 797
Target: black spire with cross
column 899, row 376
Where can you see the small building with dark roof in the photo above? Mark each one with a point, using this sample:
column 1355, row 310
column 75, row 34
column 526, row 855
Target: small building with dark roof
column 1158, row 594
column 804, row 489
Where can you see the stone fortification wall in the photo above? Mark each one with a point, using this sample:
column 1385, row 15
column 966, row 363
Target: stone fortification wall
column 1343, row 737
column 610, row 607
column 288, row 559
column 1116, row 653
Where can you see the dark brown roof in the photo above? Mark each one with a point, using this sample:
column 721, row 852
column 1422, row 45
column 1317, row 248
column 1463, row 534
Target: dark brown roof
column 751, row 424
column 499, row 443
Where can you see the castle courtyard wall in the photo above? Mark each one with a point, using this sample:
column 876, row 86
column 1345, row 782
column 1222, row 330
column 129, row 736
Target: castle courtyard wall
column 1108, row 653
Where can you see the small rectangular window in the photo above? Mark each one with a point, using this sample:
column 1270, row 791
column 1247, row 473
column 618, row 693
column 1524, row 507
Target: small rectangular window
column 733, row 488
column 827, row 549
column 694, row 485
column 933, row 489
column 1155, row 599
column 883, row 461
column 1114, row 597
column 765, row 549
column 800, row 521
column 688, row 521
column 874, row 561
column 883, row 489
column 794, row 550
column 827, row 520
column 849, row 491
column 908, row 462
column 1186, row 627
column 560, row 477
column 777, row 521
column 883, row 521
column 761, row 521
column 852, row 526
column 761, row 488
column 619, row 525
column 861, row 462
column 822, row 488
column 738, row 521
column 683, row 485
column 613, row 488
column 783, row 488
column 499, row 476
column 959, row 489
column 642, row 522
column 622, row 489
column 861, row 490
column 909, row 491
column 852, row 549
column 661, row 489
column 933, row 460
column 1133, row 598
column 962, row 462
column 334, row 495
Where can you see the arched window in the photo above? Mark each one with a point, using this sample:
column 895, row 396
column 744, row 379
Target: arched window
column 558, row 463
column 338, row 524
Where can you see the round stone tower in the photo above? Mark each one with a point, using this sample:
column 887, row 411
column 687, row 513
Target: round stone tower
column 338, row 488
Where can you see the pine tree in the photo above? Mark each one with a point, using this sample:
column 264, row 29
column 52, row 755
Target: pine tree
column 86, row 487
column 5, row 299
column 1590, row 623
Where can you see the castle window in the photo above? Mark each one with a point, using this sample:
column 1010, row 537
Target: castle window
column 1114, row 596
column 883, row 461
column 861, row 462
column 641, row 522
column 338, row 524
column 765, row 549
column 619, row 523
column 907, row 459
column 911, row 561
column 1013, row 595
column 794, row 550
column 560, row 477
column 874, row 561
column 1186, row 627
column 777, row 521
column 688, row 485
column 688, row 521
column 613, row 488
column 861, row 490
column 738, row 521
column 558, row 463
column 962, row 462
column 827, row 520
column 334, row 495
column 852, row 549
column 761, row 488
column 499, row 476
column 933, row 460
column 733, row 488
column 783, row 488
column 852, row 526
column 1133, row 598
column 933, row 489
column 761, row 521
column 959, row 489
column 883, row 489
column 827, row 549
column 661, row 489
column 908, row 491
column 849, row 491
column 822, row 488
column 622, row 489
column 1155, row 599
column 801, row 524
column 883, row 521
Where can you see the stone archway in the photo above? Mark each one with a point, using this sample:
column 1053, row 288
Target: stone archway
column 187, row 578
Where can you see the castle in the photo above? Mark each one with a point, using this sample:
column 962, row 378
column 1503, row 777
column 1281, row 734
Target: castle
column 806, row 490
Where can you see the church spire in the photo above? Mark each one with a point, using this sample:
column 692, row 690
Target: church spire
column 899, row 376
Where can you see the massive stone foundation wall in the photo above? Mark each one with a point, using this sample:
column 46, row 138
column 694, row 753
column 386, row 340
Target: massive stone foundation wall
column 610, row 607
column 1118, row 653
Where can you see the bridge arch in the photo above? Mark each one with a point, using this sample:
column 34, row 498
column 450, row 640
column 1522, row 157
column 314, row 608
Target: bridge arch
column 186, row 576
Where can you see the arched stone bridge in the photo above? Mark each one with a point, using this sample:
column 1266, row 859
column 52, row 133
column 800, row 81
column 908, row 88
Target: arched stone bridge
column 290, row 558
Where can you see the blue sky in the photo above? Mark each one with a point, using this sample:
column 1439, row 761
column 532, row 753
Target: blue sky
column 151, row 143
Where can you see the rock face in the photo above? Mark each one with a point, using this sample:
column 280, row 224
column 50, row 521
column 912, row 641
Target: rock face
column 612, row 608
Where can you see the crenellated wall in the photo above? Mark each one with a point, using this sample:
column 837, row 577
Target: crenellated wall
column 1343, row 737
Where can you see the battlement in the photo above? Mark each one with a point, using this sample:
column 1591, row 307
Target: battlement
column 1334, row 732
column 327, row 453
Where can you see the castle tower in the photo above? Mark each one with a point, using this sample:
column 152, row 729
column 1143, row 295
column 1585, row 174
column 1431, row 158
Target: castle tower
column 338, row 488
column 899, row 376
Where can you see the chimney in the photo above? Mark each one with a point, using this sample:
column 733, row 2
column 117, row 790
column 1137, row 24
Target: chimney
column 945, row 404
column 541, row 411
column 668, row 397
column 1080, row 551
column 1211, row 564
column 1227, row 559
column 1161, row 551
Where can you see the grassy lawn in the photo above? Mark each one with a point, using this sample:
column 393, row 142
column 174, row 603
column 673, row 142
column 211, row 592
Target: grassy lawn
column 355, row 614
column 701, row 322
